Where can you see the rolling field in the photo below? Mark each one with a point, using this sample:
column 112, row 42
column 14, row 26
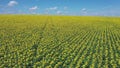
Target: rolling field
column 29, row 41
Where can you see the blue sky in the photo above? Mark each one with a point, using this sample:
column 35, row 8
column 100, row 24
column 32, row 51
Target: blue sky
column 61, row 7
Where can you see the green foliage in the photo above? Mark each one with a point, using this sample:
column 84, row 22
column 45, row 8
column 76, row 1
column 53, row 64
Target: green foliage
column 28, row 41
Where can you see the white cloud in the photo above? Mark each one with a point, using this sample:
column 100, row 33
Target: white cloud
column 65, row 8
column 83, row 11
column 33, row 8
column 12, row 3
column 52, row 8
column 59, row 12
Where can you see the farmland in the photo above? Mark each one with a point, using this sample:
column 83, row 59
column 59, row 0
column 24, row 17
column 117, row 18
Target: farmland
column 32, row 41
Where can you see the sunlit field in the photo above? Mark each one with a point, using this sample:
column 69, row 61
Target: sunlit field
column 33, row 41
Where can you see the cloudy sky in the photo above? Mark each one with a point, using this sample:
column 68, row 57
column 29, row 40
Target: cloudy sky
column 61, row 7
